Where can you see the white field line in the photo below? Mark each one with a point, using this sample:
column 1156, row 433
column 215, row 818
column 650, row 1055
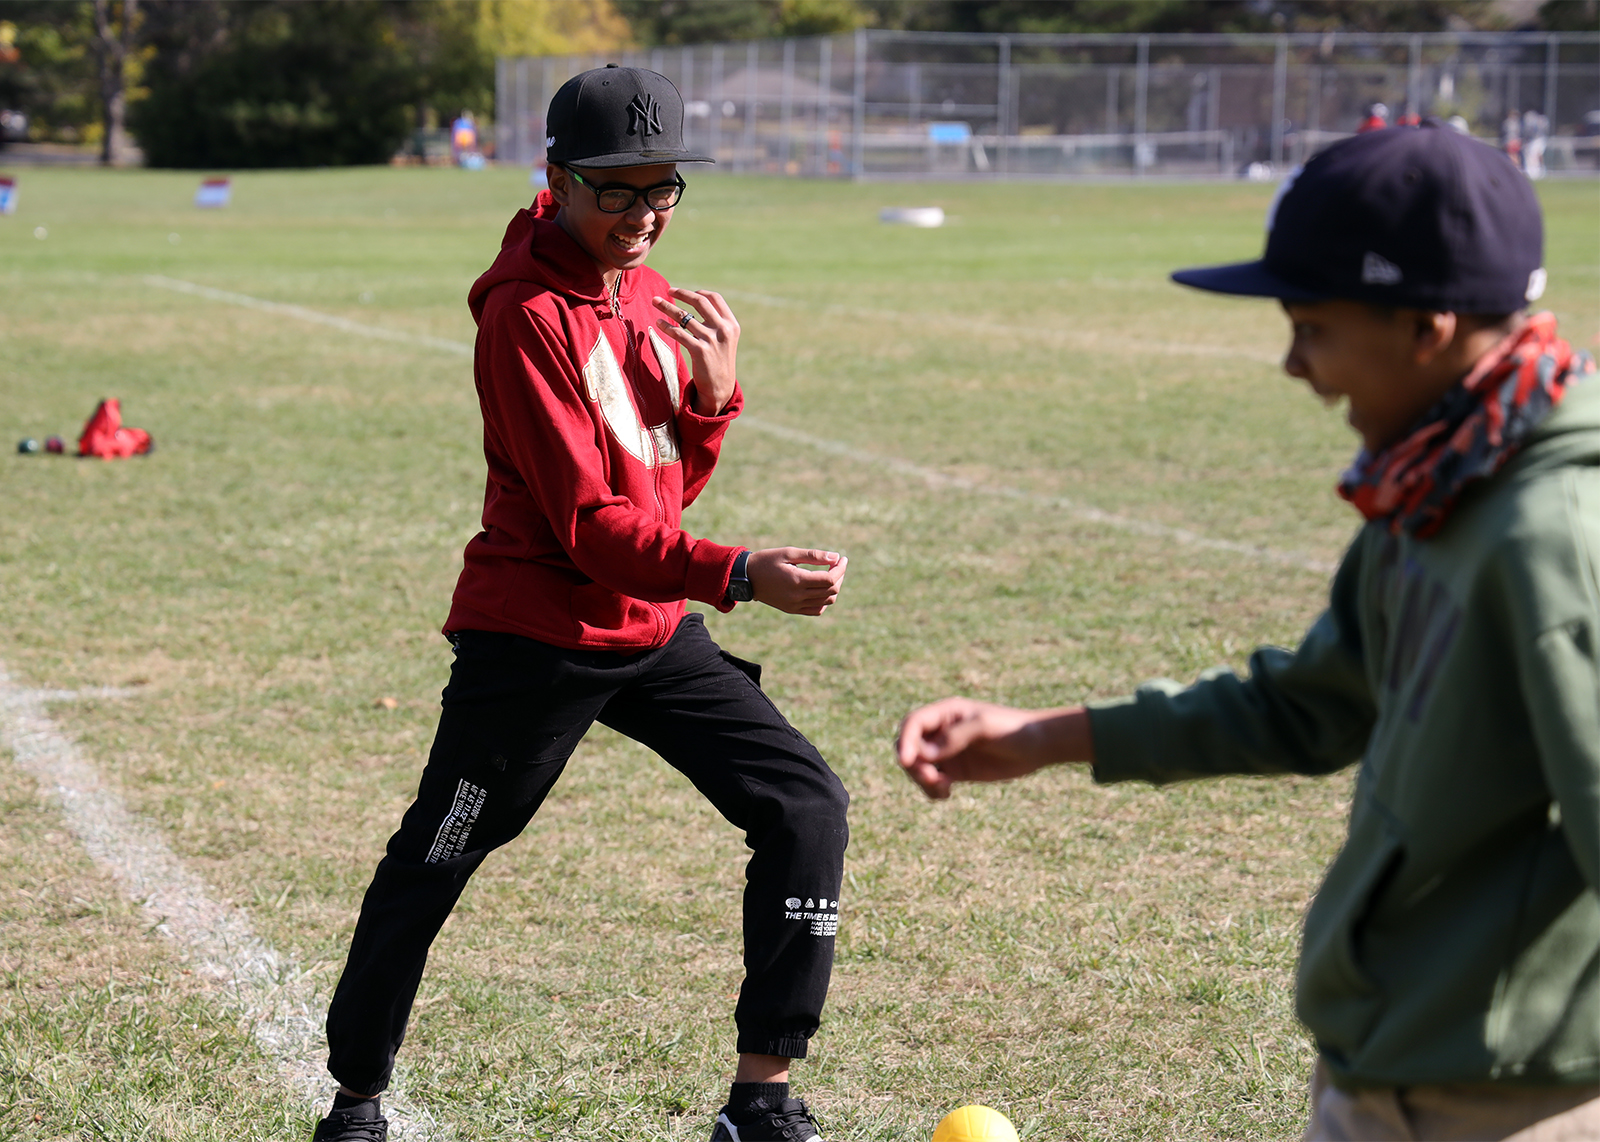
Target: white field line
column 277, row 1001
column 1085, row 512
column 301, row 313
column 957, row 323
column 931, row 476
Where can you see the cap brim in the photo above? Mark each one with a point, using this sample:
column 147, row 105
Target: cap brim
column 639, row 159
column 1245, row 279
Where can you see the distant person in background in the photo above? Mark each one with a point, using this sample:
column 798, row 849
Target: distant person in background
column 463, row 137
column 1377, row 119
column 1409, row 119
column 1511, row 136
column 1459, row 124
column 1535, row 134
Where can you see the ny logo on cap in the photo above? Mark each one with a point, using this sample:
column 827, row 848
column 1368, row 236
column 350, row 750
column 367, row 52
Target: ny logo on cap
column 644, row 115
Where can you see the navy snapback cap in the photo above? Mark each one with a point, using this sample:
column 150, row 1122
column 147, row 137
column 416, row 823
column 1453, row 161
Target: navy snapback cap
column 1419, row 217
column 617, row 117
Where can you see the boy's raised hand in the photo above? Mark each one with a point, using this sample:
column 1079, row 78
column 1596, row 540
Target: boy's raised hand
column 711, row 340
column 789, row 579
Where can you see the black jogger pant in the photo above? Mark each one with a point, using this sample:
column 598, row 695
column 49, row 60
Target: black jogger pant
column 514, row 711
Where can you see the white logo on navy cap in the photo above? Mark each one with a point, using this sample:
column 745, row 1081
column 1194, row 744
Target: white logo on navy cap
column 1536, row 283
column 1378, row 270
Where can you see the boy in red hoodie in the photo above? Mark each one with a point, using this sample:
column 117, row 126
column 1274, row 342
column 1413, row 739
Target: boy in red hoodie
column 571, row 607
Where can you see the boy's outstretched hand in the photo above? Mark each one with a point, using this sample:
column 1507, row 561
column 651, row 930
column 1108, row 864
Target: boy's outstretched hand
column 785, row 578
column 959, row 739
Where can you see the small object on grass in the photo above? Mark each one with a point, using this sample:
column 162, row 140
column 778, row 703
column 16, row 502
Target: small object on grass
column 927, row 217
column 385, row 704
column 975, row 1124
column 54, row 445
column 213, row 193
column 105, row 437
column 27, row 446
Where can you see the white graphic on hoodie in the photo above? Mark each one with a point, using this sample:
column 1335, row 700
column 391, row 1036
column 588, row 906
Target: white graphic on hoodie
column 605, row 385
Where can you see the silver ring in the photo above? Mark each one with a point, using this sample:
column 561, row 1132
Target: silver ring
column 684, row 318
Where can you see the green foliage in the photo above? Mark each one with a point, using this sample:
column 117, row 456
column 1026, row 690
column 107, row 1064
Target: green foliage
column 1569, row 15
column 287, row 84
column 705, row 21
column 52, row 79
column 710, row 21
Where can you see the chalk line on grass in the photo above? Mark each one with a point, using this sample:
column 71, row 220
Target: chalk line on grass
column 964, row 323
column 301, row 313
column 276, row 999
column 931, row 476
column 1085, row 512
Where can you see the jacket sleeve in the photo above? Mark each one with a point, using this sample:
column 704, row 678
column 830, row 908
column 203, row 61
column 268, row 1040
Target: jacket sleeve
column 700, row 439
column 1558, row 669
column 534, row 403
column 1308, row 711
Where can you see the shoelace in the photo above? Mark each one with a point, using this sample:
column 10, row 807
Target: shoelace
column 364, row 1130
column 791, row 1116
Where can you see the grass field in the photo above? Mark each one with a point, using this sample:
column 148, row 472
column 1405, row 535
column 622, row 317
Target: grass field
column 1100, row 963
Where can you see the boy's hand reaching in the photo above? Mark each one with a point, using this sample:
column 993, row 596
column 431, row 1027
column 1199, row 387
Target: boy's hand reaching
column 783, row 578
column 959, row 739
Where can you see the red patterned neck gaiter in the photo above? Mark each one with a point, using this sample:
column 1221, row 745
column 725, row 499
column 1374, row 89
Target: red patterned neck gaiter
column 1469, row 435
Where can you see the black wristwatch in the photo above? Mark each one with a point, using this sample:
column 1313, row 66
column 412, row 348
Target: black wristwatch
column 740, row 589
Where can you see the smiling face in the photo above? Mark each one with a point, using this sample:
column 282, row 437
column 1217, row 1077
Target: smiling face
column 1385, row 364
column 615, row 241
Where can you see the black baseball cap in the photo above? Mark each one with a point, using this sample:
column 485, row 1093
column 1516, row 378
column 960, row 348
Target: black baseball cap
column 1420, row 217
column 617, row 117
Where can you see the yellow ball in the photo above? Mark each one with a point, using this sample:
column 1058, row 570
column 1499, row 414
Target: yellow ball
column 975, row 1124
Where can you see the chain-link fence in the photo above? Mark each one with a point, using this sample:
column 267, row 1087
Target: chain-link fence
column 906, row 105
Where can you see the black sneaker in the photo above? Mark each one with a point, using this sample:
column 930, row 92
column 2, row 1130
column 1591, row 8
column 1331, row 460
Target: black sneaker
column 360, row 1123
column 789, row 1121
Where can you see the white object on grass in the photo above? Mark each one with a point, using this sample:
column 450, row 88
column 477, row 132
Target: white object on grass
column 926, row 217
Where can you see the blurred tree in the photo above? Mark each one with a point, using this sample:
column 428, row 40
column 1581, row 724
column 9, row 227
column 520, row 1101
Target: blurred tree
column 1569, row 15
column 113, row 45
column 657, row 22
column 49, row 74
column 702, row 21
column 1155, row 16
column 325, row 82
column 275, row 83
column 456, row 43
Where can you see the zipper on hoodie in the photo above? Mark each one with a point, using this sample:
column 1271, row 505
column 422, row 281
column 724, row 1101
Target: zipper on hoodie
column 629, row 359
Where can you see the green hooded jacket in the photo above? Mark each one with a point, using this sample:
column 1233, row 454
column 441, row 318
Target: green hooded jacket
column 1456, row 936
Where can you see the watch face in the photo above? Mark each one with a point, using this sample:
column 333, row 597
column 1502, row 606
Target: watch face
column 740, row 590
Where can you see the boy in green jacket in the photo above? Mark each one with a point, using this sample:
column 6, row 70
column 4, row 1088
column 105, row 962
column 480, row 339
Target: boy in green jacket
column 1449, row 968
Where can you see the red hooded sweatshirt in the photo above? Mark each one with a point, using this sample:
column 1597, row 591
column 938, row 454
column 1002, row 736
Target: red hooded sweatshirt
column 594, row 450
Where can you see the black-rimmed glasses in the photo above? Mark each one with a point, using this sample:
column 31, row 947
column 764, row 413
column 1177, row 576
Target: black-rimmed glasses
column 619, row 197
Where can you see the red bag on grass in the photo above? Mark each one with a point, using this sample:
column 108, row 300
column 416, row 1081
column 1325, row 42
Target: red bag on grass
column 104, row 436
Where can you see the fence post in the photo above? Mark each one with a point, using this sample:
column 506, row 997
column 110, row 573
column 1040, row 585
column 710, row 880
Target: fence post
column 1214, row 114
column 1414, row 78
column 1141, row 103
column 716, row 100
column 785, row 115
column 1280, row 97
column 1002, row 103
column 751, row 59
column 1552, row 61
column 825, row 108
column 859, row 119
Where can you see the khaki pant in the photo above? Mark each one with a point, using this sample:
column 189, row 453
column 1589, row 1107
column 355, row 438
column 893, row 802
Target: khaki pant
column 1476, row 1112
